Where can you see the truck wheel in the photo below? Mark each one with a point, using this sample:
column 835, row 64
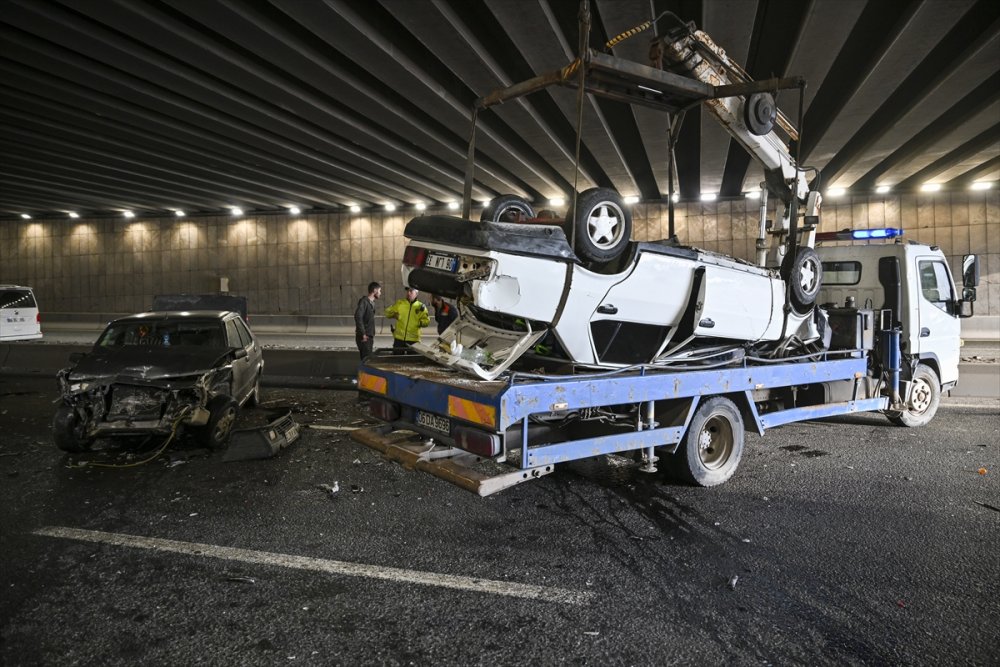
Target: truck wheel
column 603, row 225
column 713, row 445
column 67, row 431
column 215, row 434
column 805, row 279
column 507, row 208
column 924, row 399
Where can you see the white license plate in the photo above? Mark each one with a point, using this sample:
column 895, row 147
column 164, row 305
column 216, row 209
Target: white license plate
column 433, row 421
column 442, row 262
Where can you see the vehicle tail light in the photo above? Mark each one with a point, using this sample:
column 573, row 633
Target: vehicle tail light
column 414, row 255
column 382, row 409
column 478, row 442
column 38, row 318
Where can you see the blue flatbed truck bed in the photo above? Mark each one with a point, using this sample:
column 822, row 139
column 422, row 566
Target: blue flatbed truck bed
column 488, row 435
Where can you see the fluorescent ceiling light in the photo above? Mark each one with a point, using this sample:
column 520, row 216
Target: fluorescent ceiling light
column 129, row 214
column 179, row 213
column 557, row 201
column 236, row 210
column 752, row 194
column 930, row 187
column 982, row 185
column 453, row 206
column 631, row 199
column 421, row 206
column 676, row 198
column 882, row 189
column 709, row 196
column 294, row 210
column 74, row 214
column 836, row 192
column 26, row 216
column 355, row 208
column 390, row 207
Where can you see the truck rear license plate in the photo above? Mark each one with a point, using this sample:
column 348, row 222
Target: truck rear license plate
column 442, row 262
column 433, row 421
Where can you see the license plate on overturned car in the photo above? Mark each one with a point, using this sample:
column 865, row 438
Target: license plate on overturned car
column 433, row 421
column 442, row 262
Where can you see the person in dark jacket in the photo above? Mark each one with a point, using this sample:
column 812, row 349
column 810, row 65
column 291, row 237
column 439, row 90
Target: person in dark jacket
column 444, row 313
column 364, row 320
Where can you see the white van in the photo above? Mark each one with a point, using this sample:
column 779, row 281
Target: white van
column 19, row 316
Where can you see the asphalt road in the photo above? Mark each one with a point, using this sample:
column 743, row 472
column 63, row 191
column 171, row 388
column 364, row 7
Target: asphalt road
column 847, row 541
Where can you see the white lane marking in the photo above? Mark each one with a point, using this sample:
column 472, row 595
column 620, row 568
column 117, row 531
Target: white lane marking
column 511, row 589
column 334, row 428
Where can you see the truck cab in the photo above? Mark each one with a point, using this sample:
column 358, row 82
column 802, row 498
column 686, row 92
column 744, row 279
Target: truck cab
column 912, row 281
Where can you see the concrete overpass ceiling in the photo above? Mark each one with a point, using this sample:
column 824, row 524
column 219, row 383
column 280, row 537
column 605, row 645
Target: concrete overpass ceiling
column 154, row 106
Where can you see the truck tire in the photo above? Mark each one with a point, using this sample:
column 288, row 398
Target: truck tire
column 507, row 208
column 713, row 445
column 924, row 399
column 603, row 225
column 805, row 277
column 215, row 434
column 66, row 431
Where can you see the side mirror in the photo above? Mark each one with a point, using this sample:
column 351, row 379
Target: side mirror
column 76, row 357
column 239, row 352
column 965, row 308
column 970, row 272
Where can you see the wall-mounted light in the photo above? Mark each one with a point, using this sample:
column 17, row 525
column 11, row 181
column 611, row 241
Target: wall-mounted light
column 390, row 207
column 129, row 214
column 453, row 206
column 179, row 213
column 25, row 216
column 752, row 194
column 235, row 210
column 709, row 196
column 557, row 201
column 836, row 192
column 930, row 187
column 294, row 210
column 355, row 208
column 631, row 199
column 882, row 189
column 74, row 215
column 981, row 185
column 421, row 206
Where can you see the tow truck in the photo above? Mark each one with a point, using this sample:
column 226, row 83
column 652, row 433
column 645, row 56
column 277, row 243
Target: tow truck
column 889, row 335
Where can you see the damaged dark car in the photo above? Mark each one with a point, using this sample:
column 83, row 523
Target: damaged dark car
column 159, row 372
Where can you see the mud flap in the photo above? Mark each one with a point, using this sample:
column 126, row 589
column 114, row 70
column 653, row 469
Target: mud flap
column 468, row 471
column 262, row 442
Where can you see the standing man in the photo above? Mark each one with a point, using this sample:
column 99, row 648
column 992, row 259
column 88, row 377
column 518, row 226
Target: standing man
column 364, row 320
column 411, row 316
column 444, row 313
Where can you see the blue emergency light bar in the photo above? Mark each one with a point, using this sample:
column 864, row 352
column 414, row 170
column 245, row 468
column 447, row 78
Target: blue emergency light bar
column 860, row 234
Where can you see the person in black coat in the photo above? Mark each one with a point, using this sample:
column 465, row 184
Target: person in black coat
column 364, row 320
column 444, row 313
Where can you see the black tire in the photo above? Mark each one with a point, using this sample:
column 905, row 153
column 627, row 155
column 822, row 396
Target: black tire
column 925, row 397
column 215, row 434
column 253, row 400
column 713, row 445
column 603, row 225
column 507, row 208
column 805, row 277
column 67, row 431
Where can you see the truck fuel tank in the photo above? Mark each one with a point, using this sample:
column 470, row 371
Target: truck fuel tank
column 853, row 329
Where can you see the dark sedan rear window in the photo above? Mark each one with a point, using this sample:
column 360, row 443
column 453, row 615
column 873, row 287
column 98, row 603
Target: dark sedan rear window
column 164, row 333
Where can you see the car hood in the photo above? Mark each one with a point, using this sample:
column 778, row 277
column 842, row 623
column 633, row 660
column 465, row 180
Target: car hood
column 148, row 363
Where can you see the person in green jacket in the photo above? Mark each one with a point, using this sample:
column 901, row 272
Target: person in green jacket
column 410, row 316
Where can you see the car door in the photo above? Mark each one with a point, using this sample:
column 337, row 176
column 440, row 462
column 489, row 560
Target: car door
column 255, row 356
column 242, row 375
column 940, row 328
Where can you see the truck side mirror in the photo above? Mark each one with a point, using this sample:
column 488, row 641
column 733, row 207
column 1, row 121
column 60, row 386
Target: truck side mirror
column 965, row 306
column 970, row 273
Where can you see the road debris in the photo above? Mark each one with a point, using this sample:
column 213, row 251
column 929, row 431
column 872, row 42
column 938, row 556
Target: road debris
column 592, row 633
column 332, row 490
column 982, row 471
column 732, row 582
column 987, row 506
column 242, row 580
column 356, row 488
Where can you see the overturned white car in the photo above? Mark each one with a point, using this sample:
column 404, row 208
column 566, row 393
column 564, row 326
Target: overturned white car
column 521, row 286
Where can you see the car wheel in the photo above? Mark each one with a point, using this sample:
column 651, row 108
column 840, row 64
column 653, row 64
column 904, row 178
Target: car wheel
column 603, row 225
column 805, row 278
column 67, row 431
column 713, row 445
column 507, row 208
column 925, row 396
column 215, row 434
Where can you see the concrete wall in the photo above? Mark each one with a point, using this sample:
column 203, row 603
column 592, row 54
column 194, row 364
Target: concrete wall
column 319, row 264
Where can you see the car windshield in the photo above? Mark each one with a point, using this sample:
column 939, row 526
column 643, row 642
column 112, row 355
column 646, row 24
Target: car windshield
column 164, row 333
